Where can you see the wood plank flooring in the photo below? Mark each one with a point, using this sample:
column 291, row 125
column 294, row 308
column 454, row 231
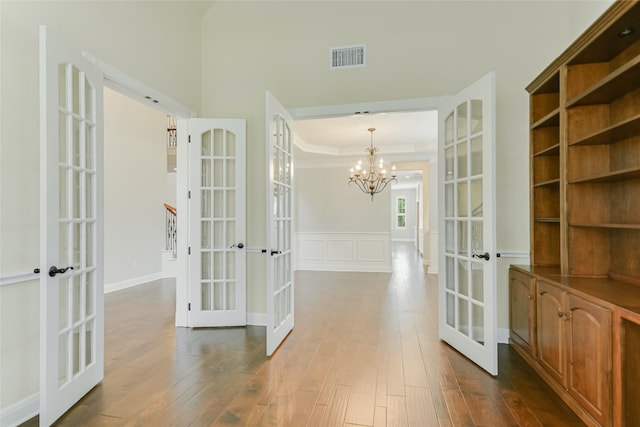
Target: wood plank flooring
column 364, row 352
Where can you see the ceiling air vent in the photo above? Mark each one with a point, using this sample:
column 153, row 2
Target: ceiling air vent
column 347, row 57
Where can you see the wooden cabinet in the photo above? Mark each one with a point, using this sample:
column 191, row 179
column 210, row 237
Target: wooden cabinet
column 584, row 132
column 522, row 316
column 573, row 336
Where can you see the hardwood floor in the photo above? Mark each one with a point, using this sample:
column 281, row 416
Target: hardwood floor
column 364, row 351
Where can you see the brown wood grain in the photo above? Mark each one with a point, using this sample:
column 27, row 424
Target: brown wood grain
column 331, row 371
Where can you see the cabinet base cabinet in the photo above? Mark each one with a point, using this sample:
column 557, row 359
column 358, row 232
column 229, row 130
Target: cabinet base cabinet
column 574, row 348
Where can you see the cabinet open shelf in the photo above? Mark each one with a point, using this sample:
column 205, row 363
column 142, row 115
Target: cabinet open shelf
column 613, row 176
column 611, row 134
column 548, row 220
column 550, row 120
column 612, row 87
column 610, row 226
column 554, row 150
column 551, row 182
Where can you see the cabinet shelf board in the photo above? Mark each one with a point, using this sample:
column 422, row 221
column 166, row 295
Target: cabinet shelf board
column 613, row 86
column 614, row 176
column 606, row 225
column 548, row 220
column 551, row 182
column 549, row 120
column 554, row 150
column 612, row 134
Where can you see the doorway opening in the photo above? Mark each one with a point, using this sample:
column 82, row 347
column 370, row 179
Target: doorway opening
column 330, row 140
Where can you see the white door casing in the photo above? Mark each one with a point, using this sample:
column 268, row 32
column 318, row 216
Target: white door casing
column 217, row 222
column 467, row 279
column 280, row 283
column 71, row 228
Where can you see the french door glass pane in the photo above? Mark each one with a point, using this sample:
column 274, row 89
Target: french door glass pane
column 205, row 229
column 461, row 121
column 477, row 314
column 476, row 156
column 218, row 234
column 463, row 315
column 463, row 197
column 477, row 277
column 205, row 296
column 218, row 173
column 218, row 142
column 463, row 277
column 450, row 283
column 462, row 159
column 448, row 130
column 476, row 116
column 476, row 197
column 448, row 164
column 463, row 238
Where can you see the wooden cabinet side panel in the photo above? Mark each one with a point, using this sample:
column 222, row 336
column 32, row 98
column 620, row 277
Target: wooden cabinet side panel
column 522, row 310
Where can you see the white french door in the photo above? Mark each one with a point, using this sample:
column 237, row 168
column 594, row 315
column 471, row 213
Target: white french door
column 280, row 292
column 71, row 228
column 467, row 279
column 217, row 252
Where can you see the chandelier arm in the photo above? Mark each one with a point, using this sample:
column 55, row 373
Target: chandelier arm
column 360, row 184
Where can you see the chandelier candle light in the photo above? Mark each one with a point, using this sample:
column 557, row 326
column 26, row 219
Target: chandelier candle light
column 374, row 179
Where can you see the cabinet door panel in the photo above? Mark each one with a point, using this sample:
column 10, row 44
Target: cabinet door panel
column 589, row 353
column 551, row 330
column 522, row 311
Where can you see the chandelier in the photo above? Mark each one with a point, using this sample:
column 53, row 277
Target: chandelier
column 371, row 180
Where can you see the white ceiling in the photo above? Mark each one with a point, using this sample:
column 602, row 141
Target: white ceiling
column 414, row 132
column 400, row 136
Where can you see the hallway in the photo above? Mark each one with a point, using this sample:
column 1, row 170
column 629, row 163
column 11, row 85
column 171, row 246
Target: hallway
column 364, row 351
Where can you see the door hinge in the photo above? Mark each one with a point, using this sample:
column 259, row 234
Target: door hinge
column 189, row 194
column 189, row 307
column 189, row 138
column 189, row 251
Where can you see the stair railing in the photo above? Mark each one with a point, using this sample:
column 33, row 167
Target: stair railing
column 171, row 231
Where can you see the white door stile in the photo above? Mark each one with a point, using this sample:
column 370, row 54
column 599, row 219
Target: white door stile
column 467, row 277
column 71, row 228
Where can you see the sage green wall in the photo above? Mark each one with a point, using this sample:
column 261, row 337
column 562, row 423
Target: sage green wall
column 415, row 49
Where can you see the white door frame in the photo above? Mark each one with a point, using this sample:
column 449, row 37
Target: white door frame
column 135, row 89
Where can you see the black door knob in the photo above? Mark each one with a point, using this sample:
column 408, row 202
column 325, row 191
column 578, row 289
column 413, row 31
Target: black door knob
column 55, row 270
column 485, row 256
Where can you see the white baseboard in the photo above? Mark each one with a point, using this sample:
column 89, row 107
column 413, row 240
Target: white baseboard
column 348, row 268
column 21, row 411
column 257, row 319
column 129, row 283
column 503, row 336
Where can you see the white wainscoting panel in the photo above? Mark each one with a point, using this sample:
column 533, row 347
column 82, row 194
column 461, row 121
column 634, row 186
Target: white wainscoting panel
column 369, row 252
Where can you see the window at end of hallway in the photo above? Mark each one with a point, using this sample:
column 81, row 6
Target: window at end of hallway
column 401, row 212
